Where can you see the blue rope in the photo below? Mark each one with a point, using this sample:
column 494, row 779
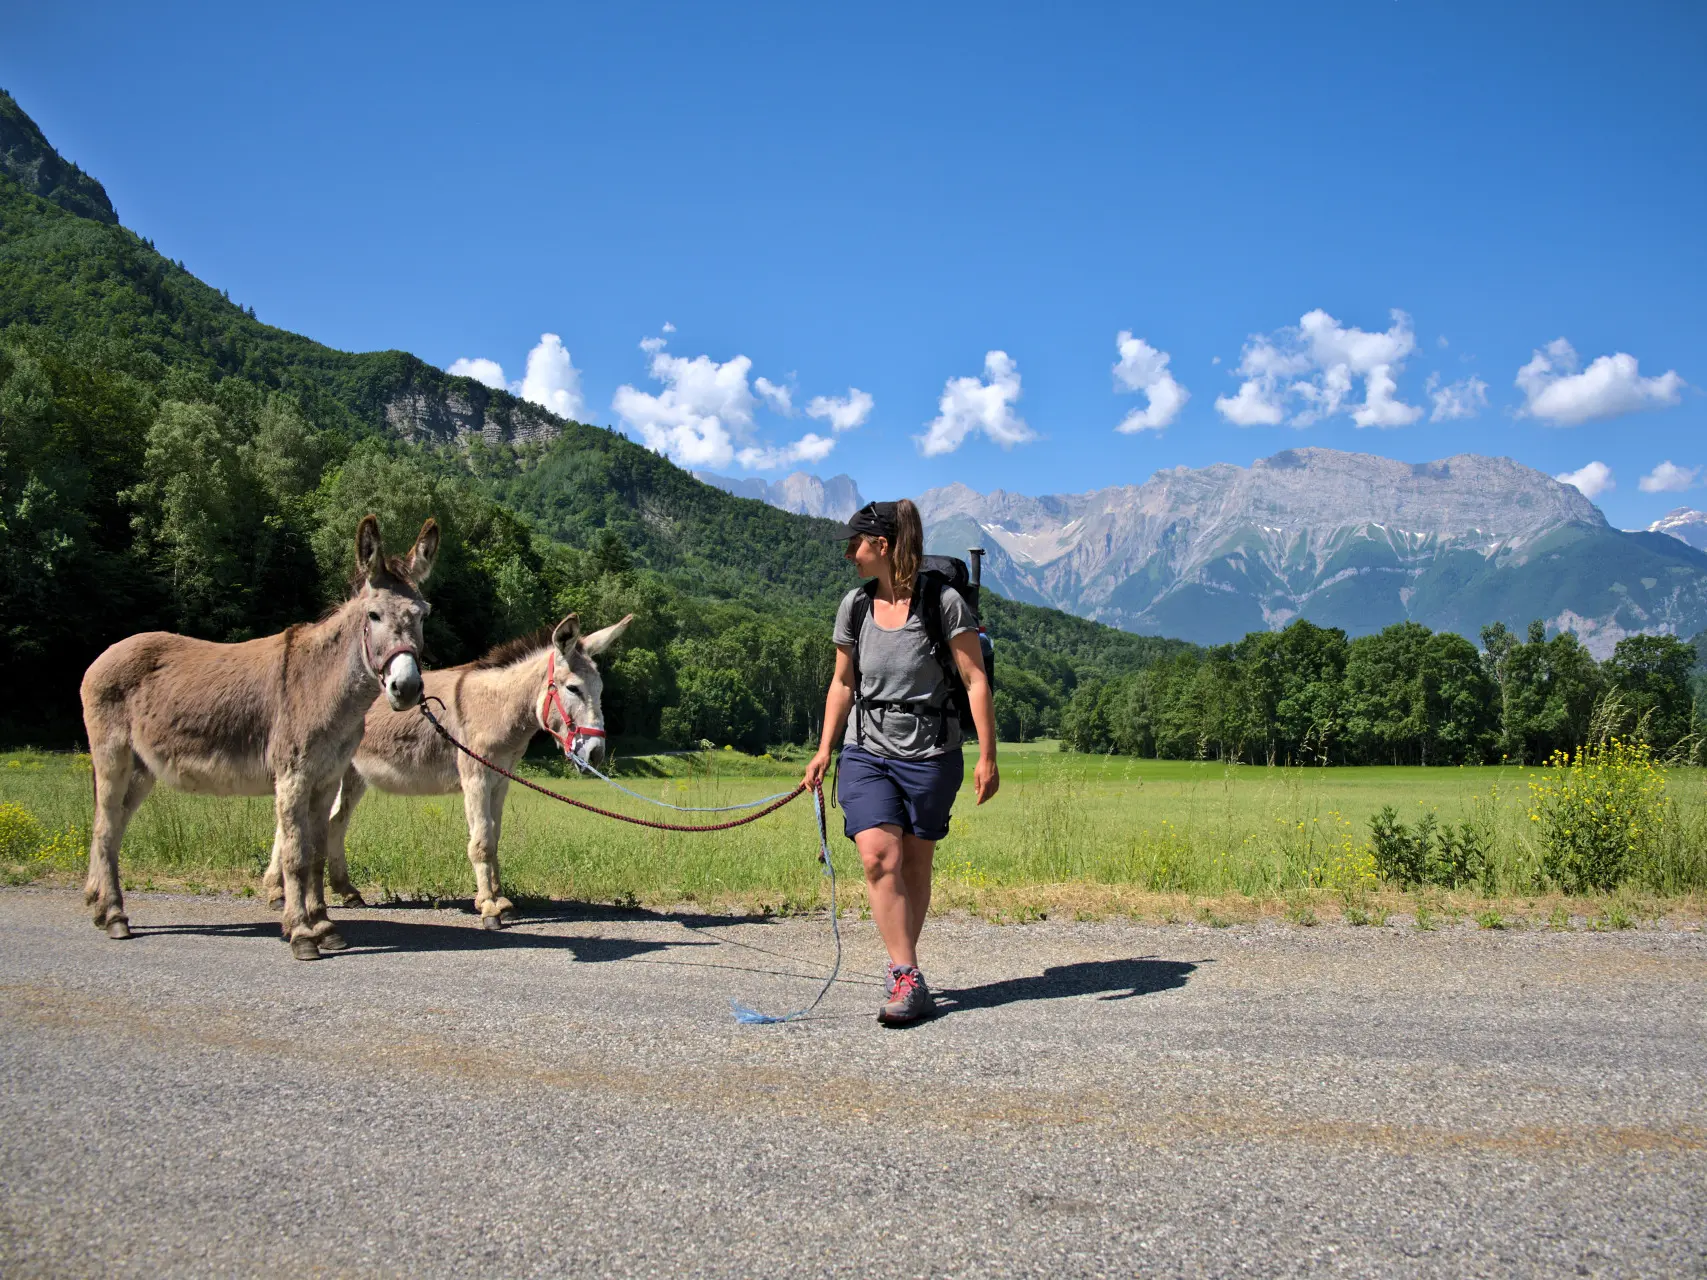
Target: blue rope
column 744, row 1013
column 679, row 808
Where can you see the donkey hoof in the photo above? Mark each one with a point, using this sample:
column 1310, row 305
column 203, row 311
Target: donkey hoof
column 354, row 899
column 491, row 922
column 118, row 929
column 303, row 948
column 277, row 904
column 331, row 940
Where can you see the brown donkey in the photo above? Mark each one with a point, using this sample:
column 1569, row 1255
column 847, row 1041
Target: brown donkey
column 494, row 706
column 280, row 714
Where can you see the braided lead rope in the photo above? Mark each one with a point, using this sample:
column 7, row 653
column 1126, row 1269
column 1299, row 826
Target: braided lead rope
column 744, row 1013
column 584, row 767
column 592, row 808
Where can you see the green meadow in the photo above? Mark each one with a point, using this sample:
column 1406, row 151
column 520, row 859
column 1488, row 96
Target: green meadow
column 1081, row 835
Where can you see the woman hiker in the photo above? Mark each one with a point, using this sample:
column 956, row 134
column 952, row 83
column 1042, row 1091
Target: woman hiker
column 901, row 764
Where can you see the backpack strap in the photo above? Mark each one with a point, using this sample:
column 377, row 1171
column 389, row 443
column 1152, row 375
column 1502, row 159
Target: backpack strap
column 927, row 603
column 856, row 619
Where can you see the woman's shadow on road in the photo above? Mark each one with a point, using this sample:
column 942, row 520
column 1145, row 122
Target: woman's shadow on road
column 1105, row 979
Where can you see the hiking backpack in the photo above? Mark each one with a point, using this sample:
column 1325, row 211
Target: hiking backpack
column 935, row 573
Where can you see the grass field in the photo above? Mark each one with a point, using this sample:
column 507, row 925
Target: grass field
column 1085, row 835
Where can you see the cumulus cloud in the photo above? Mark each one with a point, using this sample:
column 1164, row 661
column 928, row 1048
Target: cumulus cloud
column 1462, row 399
column 1593, row 479
column 843, row 413
column 778, row 398
column 1143, row 368
column 703, row 416
column 811, row 447
column 704, row 406
column 1668, row 477
column 1554, row 391
column 1316, row 366
column 552, row 381
column 480, row 369
column 972, row 404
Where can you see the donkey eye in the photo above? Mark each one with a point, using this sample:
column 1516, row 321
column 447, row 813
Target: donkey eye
column 373, row 615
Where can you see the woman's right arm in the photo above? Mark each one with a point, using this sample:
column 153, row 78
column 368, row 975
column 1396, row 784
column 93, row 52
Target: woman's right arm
column 837, row 703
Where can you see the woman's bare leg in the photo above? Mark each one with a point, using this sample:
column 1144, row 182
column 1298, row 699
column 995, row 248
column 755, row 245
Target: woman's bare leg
column 916, row 858
column 880, row 850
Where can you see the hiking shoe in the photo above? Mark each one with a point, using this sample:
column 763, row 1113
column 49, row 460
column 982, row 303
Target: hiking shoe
column 909, row 998
column 889, row 978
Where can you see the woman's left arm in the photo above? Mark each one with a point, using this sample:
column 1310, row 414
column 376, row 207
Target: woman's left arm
column 969, row 660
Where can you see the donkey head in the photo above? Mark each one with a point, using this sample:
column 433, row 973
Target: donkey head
column 388, row 591
column 573, row 709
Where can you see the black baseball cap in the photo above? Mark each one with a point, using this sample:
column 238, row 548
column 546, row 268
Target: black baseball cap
column 873, row 520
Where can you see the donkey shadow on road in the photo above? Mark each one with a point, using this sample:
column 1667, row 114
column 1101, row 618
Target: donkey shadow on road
column 1105, row 979
column 374, row 937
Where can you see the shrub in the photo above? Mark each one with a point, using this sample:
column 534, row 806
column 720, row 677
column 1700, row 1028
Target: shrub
column 1600, row 812
column 1428, row 853
column 21, row 836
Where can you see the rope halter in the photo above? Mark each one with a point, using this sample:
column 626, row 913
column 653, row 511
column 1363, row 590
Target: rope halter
column 378, row 669
column 553, row 696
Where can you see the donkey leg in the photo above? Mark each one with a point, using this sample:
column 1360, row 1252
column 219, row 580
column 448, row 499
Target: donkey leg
column 272, row 883
column 349, row 796
column 293, row 804
column 122, row 783
column 325, row 936
column 483, row 801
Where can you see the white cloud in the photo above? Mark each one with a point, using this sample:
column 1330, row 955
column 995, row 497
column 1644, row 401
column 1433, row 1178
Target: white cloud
column 704, row 406
column 668, row 327
column 703, row 417
column 552, row 381
column 480, row 369
column 811, row 447
column 1462, row 399
column 1555, row 392
column 971, row 404
column 779, row 398
column 1593, row 479
column 1143, row 368
column 843, row 413
column 1317, row 363
column 1668, row 477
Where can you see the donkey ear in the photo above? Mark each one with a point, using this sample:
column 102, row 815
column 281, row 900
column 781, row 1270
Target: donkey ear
column 566, row 633
column 599, row 641
column 425, row 552
column 370, row 550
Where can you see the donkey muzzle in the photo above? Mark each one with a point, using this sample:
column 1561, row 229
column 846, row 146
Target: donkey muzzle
column 401, row 680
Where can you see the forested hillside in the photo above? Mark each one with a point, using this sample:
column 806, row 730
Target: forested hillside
column 169, row 461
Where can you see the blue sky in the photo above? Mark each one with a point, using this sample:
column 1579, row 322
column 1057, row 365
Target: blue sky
column 879, row 197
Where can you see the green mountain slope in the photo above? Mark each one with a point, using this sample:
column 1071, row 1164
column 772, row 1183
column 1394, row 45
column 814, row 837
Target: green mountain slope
column 167, row 460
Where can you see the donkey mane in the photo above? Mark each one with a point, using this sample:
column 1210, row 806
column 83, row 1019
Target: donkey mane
column 513, row 650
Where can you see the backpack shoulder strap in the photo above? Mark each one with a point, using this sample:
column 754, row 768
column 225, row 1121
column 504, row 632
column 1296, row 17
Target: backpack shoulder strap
column 856, row 623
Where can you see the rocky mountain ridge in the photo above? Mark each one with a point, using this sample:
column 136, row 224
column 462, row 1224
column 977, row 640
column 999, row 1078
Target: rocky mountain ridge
column 800, row 492
column 1343, row 539
column 1684, row 524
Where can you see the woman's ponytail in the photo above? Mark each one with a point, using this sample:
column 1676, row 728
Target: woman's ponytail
column 908, row 549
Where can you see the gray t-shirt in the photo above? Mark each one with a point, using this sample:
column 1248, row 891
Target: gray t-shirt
column 897, row 666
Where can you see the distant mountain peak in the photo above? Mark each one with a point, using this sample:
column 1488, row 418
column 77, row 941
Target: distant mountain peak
column 1685, row 524
column 800, row 492
column 29, row 159
column 1343, row 539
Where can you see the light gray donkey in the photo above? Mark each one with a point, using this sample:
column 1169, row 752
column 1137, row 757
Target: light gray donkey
column 494, row 706
column 281, row 714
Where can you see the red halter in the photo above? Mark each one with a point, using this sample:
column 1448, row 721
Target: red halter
column 554, row 697
column 378, row 669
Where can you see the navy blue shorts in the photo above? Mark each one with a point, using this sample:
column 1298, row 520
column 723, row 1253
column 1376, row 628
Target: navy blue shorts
column 914, row 795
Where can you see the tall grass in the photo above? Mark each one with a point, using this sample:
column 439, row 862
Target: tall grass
column 1063, row 821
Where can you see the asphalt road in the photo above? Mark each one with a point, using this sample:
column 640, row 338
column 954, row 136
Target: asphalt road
column 572, row 1097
